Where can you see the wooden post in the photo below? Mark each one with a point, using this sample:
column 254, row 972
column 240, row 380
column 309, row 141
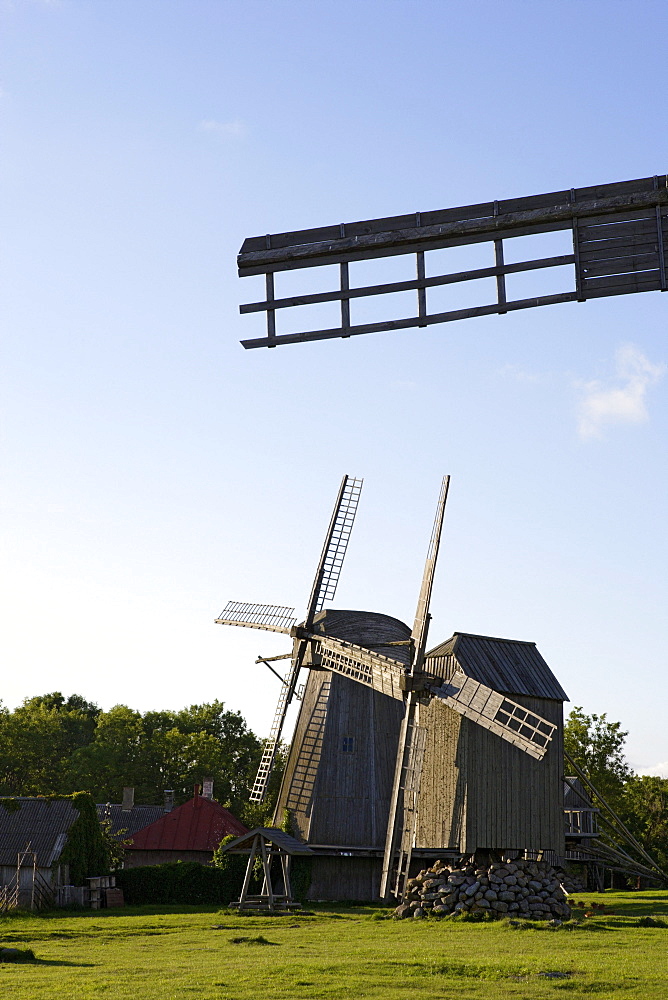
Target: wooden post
column 249, row 871
column 422, row 290
column 287, row 888
column 266, row 865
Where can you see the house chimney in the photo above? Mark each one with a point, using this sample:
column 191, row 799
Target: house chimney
column 207, row 788
column 169, row 799
column 128, row 799
column 196, row 792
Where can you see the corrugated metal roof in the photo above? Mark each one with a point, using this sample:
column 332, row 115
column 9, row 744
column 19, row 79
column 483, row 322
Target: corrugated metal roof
column 506, row 665
column 126, row 823
column 273, row 835
column 198, row 825
column 40, row 823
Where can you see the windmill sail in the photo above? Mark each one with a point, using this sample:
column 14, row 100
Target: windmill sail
column 259, row 788
column 266, row 616
column 334, row 549
column 409, row 760
column 498, row 713
column 421, row 623
column 276, row 619
column 361, row 664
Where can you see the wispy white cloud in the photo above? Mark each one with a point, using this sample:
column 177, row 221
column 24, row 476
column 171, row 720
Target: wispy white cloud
column 658, row 771
column 236, row 127
column 622, row 399
column 519, row 374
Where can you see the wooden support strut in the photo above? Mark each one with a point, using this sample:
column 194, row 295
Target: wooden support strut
column 475, row 230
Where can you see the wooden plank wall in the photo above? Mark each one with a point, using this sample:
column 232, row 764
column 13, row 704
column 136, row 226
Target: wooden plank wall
column 345, row 878
column 480, row 792
column 336, row 797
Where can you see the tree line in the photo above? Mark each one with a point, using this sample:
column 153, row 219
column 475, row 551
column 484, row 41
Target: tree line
column 52, row 745
column 641, row 801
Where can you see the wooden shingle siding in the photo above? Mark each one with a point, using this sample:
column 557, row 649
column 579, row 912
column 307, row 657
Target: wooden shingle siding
column 344, row 878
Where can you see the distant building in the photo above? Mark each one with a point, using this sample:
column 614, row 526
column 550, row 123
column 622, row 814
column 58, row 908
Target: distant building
column 191, row 832
column 33, row 833
column 126, row 819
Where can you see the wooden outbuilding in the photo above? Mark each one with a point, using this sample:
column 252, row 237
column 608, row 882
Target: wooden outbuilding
column 338, row 778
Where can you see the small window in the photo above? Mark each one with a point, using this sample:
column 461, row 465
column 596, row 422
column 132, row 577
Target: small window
column 348, row 744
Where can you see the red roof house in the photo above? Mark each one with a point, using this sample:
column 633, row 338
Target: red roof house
column 191, row 832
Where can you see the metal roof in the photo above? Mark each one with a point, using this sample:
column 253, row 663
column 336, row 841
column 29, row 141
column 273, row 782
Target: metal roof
column 506, row 665
column 125, row 823
column 576, row 795
column 275, row 836
column 198, row 825
column 40, row 825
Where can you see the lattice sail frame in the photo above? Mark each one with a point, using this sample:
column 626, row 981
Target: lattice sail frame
column 337, row 542
column 498, row 713
column 271, row 617
column 620, row 245
column 274, row 618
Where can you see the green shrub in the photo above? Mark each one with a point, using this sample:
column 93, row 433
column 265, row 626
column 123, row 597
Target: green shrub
column 85, row 849
column 179, row 882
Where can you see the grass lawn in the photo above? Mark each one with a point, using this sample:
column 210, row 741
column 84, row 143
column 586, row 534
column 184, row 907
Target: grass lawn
column 164, row 953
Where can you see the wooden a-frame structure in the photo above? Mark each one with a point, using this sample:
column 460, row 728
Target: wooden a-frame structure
column 267, row 843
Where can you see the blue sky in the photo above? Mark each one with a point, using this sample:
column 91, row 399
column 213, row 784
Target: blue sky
column 153, row 469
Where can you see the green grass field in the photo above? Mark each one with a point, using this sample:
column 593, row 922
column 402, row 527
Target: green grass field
column 175, row 953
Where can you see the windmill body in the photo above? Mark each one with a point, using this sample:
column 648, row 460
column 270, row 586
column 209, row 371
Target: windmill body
column 401, row 754
column 477, row 792
column 338, row 778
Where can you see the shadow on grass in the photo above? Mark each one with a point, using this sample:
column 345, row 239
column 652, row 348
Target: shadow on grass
column 71, row 965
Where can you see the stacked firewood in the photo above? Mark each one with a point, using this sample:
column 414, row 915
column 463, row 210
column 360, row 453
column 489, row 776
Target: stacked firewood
column 529, row 890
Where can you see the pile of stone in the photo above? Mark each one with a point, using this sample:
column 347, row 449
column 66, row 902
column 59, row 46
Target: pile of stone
column 530, row 890
column 572, row 881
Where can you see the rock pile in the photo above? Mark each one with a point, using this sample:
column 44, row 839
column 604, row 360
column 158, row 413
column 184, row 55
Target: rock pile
column 527, row 889
column 572, row 881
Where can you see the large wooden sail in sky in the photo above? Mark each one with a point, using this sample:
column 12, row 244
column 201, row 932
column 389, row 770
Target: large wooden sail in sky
column 619, row 245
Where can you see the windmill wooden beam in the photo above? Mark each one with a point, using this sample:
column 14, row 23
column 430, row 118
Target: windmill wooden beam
column 620, row 245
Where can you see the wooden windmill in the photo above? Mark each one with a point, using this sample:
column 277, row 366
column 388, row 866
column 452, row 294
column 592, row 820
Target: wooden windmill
column 372, row 718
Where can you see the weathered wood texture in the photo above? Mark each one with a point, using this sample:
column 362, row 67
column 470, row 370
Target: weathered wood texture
column 478, row 791
column 620, row 245
column 345, row 878
column 338, row 793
